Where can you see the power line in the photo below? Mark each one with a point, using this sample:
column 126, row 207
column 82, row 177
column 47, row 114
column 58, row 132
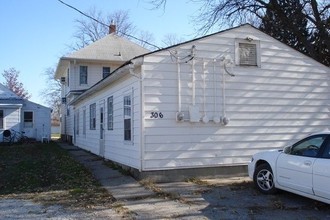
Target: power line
column 100, row 22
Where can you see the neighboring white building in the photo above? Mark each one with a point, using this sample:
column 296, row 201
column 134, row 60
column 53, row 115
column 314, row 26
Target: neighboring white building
column 207, row 103
column 22, row 116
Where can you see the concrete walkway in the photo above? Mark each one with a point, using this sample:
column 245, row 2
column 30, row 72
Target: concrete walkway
column 140, row 202
column 221, row 198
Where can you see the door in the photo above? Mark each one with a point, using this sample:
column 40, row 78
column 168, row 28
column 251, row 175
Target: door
column 321, row 174
column 295, row 169
column 102, row 141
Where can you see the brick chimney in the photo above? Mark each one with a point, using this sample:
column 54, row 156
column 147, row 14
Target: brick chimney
column 112, row 27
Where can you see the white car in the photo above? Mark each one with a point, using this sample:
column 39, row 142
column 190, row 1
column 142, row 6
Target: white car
column 302, row 168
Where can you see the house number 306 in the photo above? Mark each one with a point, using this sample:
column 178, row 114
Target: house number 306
column 156, row 115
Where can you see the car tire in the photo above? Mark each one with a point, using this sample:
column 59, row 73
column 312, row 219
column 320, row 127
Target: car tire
column 263, row 179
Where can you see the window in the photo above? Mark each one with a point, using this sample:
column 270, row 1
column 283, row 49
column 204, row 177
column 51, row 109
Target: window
column 110, row 113
column 326, row 152
column 68, row 76
column 106, row 71
column 247, row 54
column 84, row 122
column 127, row 118
column 92, row 124
column 77, row 121
column 308, row 147
column 28, row 119
column 1, row 119
column 83, row 75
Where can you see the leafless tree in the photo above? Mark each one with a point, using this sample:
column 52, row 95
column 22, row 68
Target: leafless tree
column 172, row 39
column 89, row 30
column 215, row 14
column 52, row 94
column 11, row 81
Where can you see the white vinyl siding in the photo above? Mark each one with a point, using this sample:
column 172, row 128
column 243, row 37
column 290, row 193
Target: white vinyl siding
column 116, row 149
column 284, row 99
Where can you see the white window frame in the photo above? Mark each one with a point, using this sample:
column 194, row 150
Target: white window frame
column 128, row 116
column 84, row 122
column 77, row 122
column 28, row 124
column 110, row 112
column 248, row 40
column 83, row 75
column 105, row 73
column 92, row 116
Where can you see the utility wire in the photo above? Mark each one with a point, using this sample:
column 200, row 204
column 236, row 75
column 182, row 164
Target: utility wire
column 100, row 22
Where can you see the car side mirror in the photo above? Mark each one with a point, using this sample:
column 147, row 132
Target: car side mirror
column 287, row 150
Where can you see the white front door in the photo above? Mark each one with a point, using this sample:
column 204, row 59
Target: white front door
column 102, row 142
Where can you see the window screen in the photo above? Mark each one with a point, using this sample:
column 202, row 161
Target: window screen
column 247, row 54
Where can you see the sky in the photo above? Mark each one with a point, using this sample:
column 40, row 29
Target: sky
column 36, row 33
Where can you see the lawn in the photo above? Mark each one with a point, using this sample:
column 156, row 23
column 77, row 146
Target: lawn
column 46, row 173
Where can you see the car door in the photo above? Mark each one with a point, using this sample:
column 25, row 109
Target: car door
column 295, row 169
column 321, row 173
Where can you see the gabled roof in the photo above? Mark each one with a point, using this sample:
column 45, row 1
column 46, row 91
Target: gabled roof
column 7, row 94
column 109, row 48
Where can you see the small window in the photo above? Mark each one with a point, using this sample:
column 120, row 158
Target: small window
column 68, row 77
column 92, row 125
column 28, row 119
column 127, row 118
column 247, row 54
column 106, row 71
column 83, row 74
column 110, row 113
column 77, row 122
column 1, row 119
column 84, row 122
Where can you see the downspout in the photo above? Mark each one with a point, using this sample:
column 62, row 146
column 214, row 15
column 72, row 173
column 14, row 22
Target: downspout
column 142, row 135
column 179, row 114
column 140, row 77
column 216, row 117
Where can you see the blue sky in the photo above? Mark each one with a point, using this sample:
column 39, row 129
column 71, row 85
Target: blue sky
column 36, row 33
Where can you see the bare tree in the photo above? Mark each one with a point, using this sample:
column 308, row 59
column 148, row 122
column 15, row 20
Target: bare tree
column 172, row 39
column 214, row 14
column 89, row 30
column 11, row 81
column 52, row 94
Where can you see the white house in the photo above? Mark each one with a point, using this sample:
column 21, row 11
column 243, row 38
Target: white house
column 201, row 106
column 21, row 116
column 84, row 68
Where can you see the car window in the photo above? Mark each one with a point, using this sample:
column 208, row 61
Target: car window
column 308, row 147
column 326, row 152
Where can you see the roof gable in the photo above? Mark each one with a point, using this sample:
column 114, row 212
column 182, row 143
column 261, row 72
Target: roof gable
column 110, row 48
column 7, row 94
